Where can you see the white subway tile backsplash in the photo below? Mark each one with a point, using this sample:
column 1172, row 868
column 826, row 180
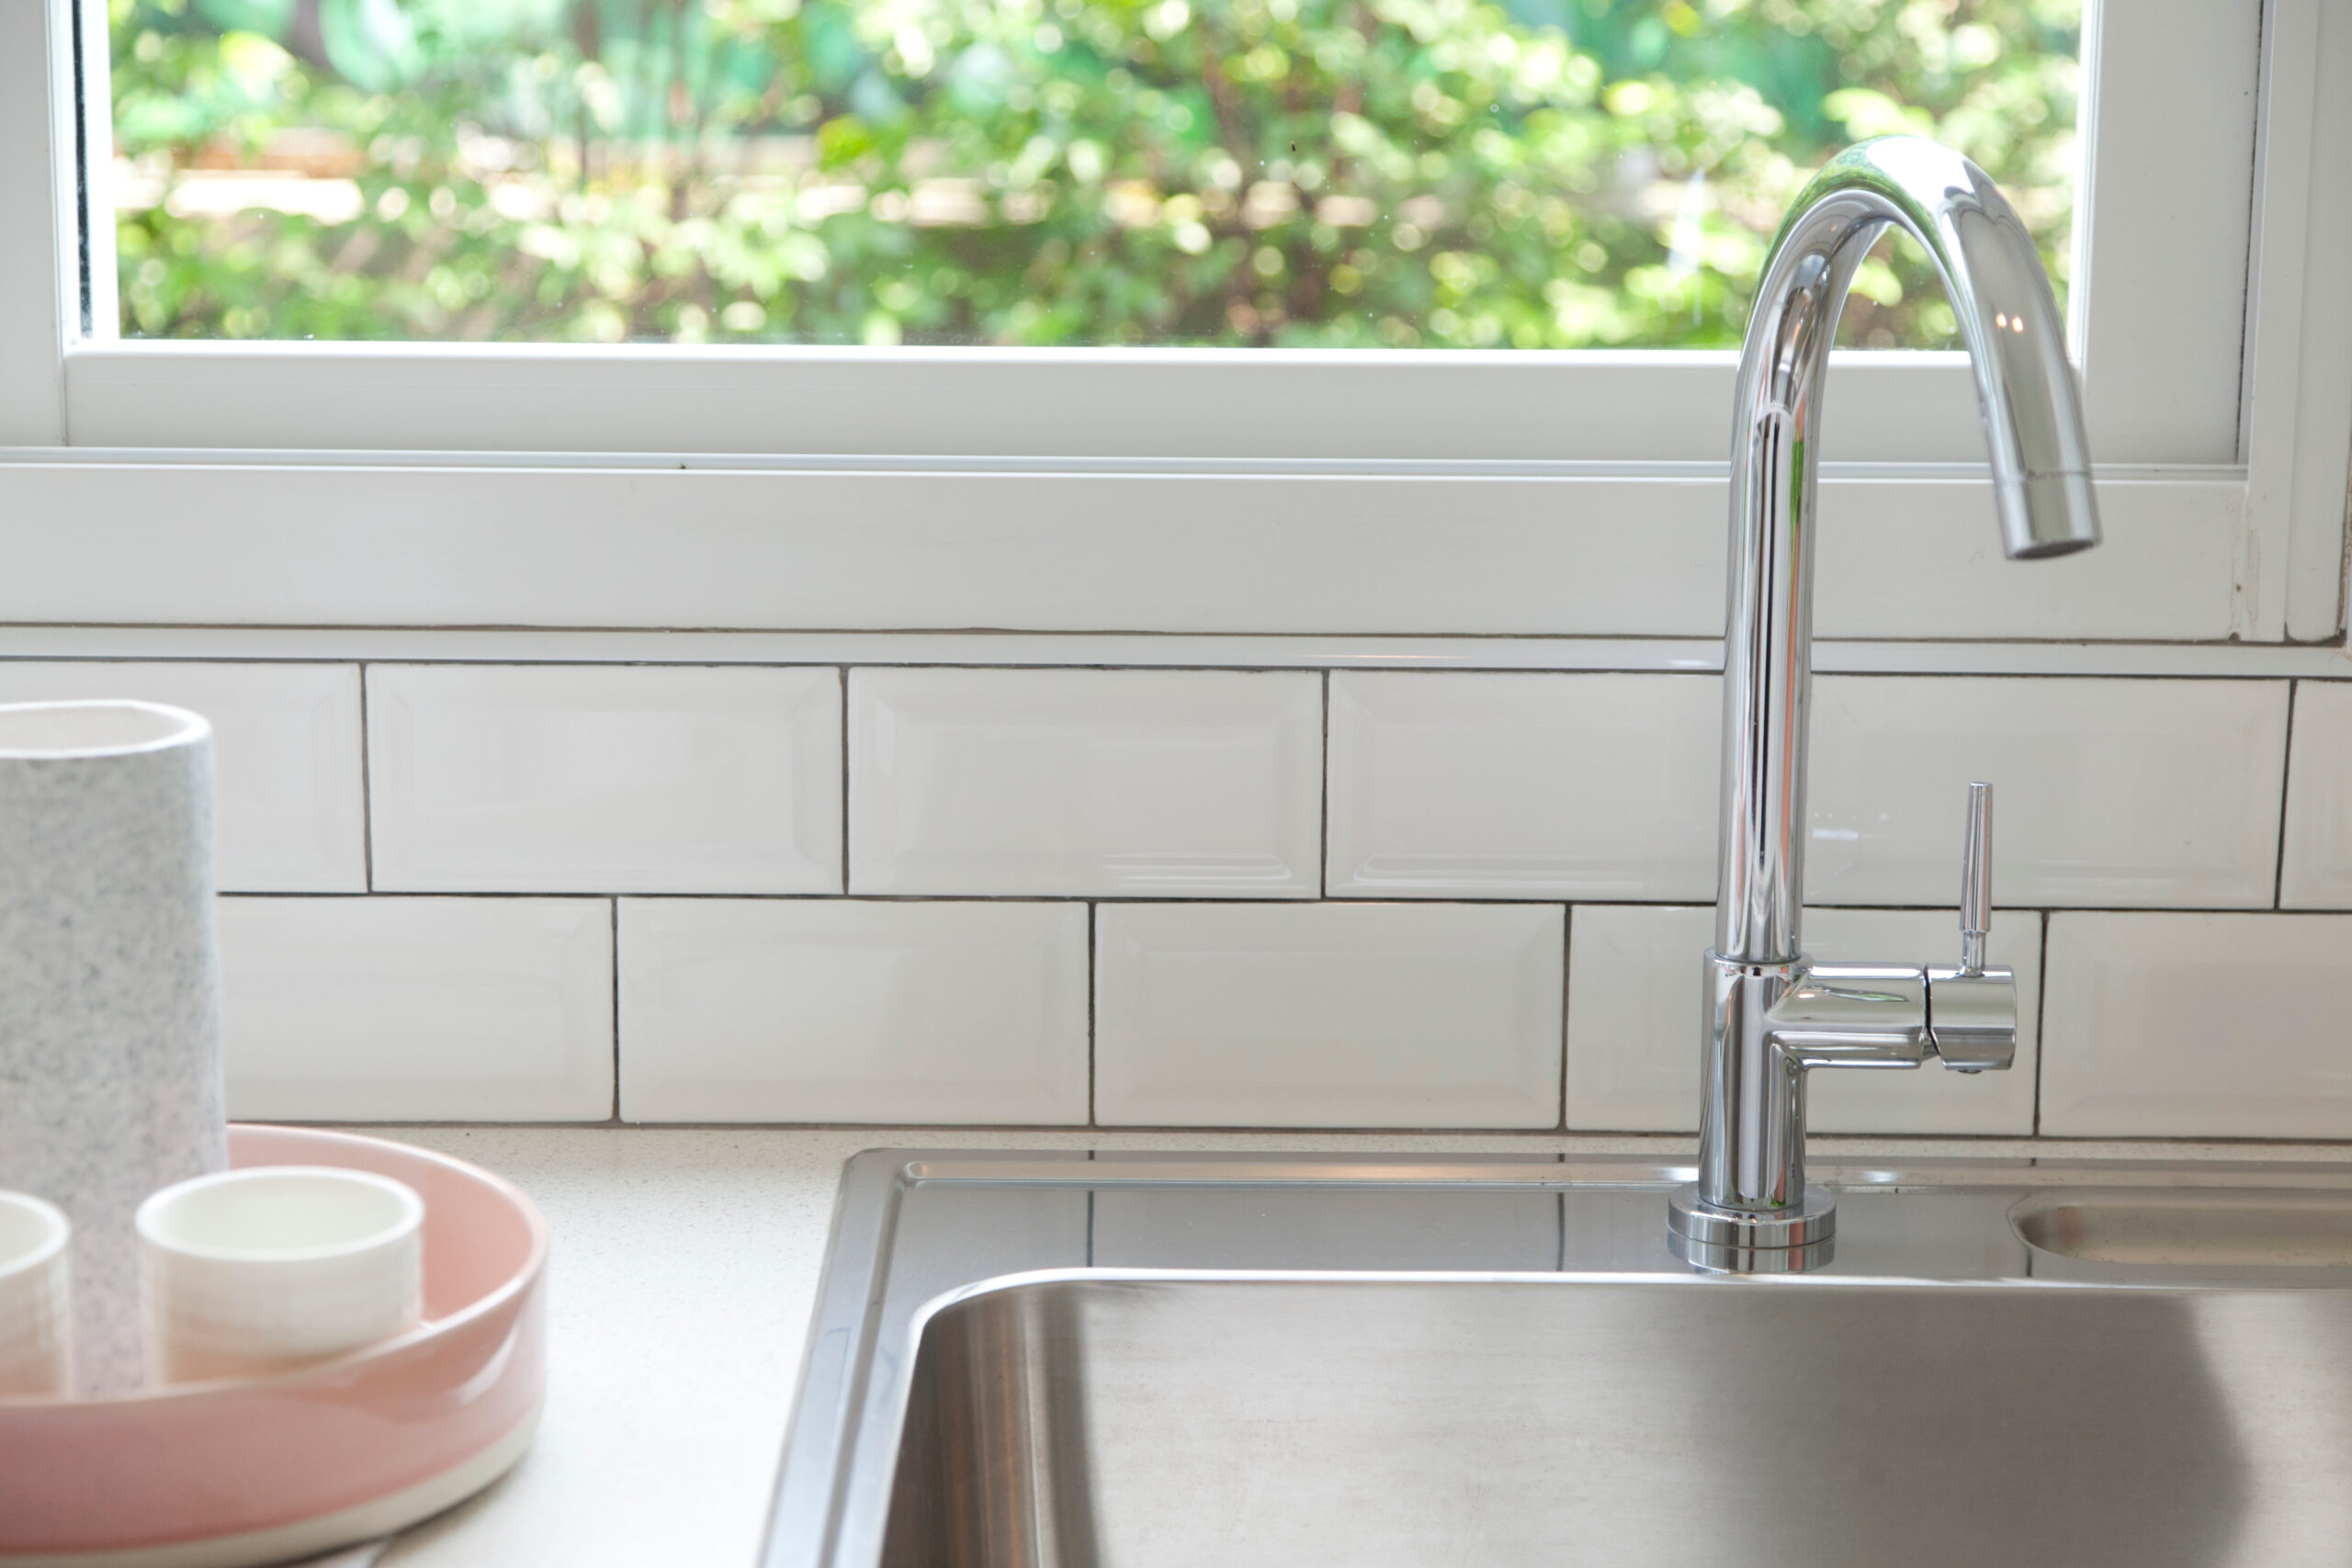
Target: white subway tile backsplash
column 849, row 1010
column 1523, row 786
column 418, row 1010
column 2112, row 793
column 604, row 778
column 1636, row 1011
column 1328, row 1015
column 2315, row 871
column 1170, row 784
column 2198, row 1025
column 286, row 749
column 1236, row 1000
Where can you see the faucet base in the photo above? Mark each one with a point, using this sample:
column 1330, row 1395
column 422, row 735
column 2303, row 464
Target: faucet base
column 1735, row 1241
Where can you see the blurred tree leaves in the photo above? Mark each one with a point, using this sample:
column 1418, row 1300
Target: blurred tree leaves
column 1442, row 173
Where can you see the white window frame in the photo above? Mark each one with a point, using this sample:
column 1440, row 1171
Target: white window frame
column 1209, row 490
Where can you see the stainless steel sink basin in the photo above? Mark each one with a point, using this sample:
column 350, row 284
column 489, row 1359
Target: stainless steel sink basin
column 1052, row 1361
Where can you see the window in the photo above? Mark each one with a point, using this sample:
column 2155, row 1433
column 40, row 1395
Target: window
column 1207, row 479
column 2170, row 126
column 1464, row 173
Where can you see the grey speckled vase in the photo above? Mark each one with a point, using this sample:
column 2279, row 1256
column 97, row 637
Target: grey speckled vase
column 109, row 988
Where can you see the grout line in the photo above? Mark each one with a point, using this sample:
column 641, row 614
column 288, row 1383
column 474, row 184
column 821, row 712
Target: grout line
column 1238, row 900
column 1684, row 1143
column 1847, row 658
column 1323, row 801
column 615, row 906
column 1090, row 946
column 843, row 669
column 2041, row 1021
column 367, row 794
column 1567, row 947
column 2285, row 784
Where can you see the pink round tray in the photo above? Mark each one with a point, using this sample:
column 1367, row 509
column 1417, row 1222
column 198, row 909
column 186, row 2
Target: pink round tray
column 216, row 1475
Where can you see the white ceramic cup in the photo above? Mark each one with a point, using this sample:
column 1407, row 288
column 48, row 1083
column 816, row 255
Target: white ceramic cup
column 247, row 1272
column 35, row 1320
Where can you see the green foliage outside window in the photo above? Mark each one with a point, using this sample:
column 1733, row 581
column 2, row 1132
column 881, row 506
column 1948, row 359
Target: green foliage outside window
column 1539, row 174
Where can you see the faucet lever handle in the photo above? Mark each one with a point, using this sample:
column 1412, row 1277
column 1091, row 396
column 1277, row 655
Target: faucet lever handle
column 1973, row 1011
column 1977, row 878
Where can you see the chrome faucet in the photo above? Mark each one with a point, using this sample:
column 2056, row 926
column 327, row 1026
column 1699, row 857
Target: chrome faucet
column 1773, row 1012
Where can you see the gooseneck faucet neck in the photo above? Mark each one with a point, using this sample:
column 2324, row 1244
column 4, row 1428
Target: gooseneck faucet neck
column 1773, row 1012
column 2033, row 435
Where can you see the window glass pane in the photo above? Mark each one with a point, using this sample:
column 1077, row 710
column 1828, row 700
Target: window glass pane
column 1462, row 174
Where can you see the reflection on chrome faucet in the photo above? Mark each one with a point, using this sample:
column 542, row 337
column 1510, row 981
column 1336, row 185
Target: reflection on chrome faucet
column 1772, row 1011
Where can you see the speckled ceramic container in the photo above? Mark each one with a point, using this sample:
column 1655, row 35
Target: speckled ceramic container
column 109, row 988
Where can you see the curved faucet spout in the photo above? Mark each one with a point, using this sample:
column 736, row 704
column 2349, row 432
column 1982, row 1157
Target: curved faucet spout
column 1772, row 1012
column 2033, row 435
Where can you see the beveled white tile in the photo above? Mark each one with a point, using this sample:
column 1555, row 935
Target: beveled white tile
column 1143, row 783
column 2110, row 793
column 2198, row 1025
column 1523, row 786
column 2315, row 869
column 1328, row 1015
column 848, row 1011
column 1635, row 1010
column 604, row 778
column 418, row 1010
column 285, row 751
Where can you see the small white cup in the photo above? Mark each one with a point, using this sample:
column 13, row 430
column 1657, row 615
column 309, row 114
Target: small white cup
column 248, row 1273
column 36, row 1334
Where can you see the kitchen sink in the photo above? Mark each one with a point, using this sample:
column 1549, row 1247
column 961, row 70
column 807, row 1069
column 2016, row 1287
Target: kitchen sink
column 1056, row 1362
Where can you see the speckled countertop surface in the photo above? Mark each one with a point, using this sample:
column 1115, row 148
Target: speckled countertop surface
column 684, row 1263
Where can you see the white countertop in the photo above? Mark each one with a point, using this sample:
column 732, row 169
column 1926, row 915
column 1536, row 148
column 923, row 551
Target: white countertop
column 684, row 1262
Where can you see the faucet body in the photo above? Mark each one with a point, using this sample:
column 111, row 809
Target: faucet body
column 1772, row 1012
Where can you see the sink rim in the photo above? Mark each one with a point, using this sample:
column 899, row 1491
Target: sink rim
column 832, row 1489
